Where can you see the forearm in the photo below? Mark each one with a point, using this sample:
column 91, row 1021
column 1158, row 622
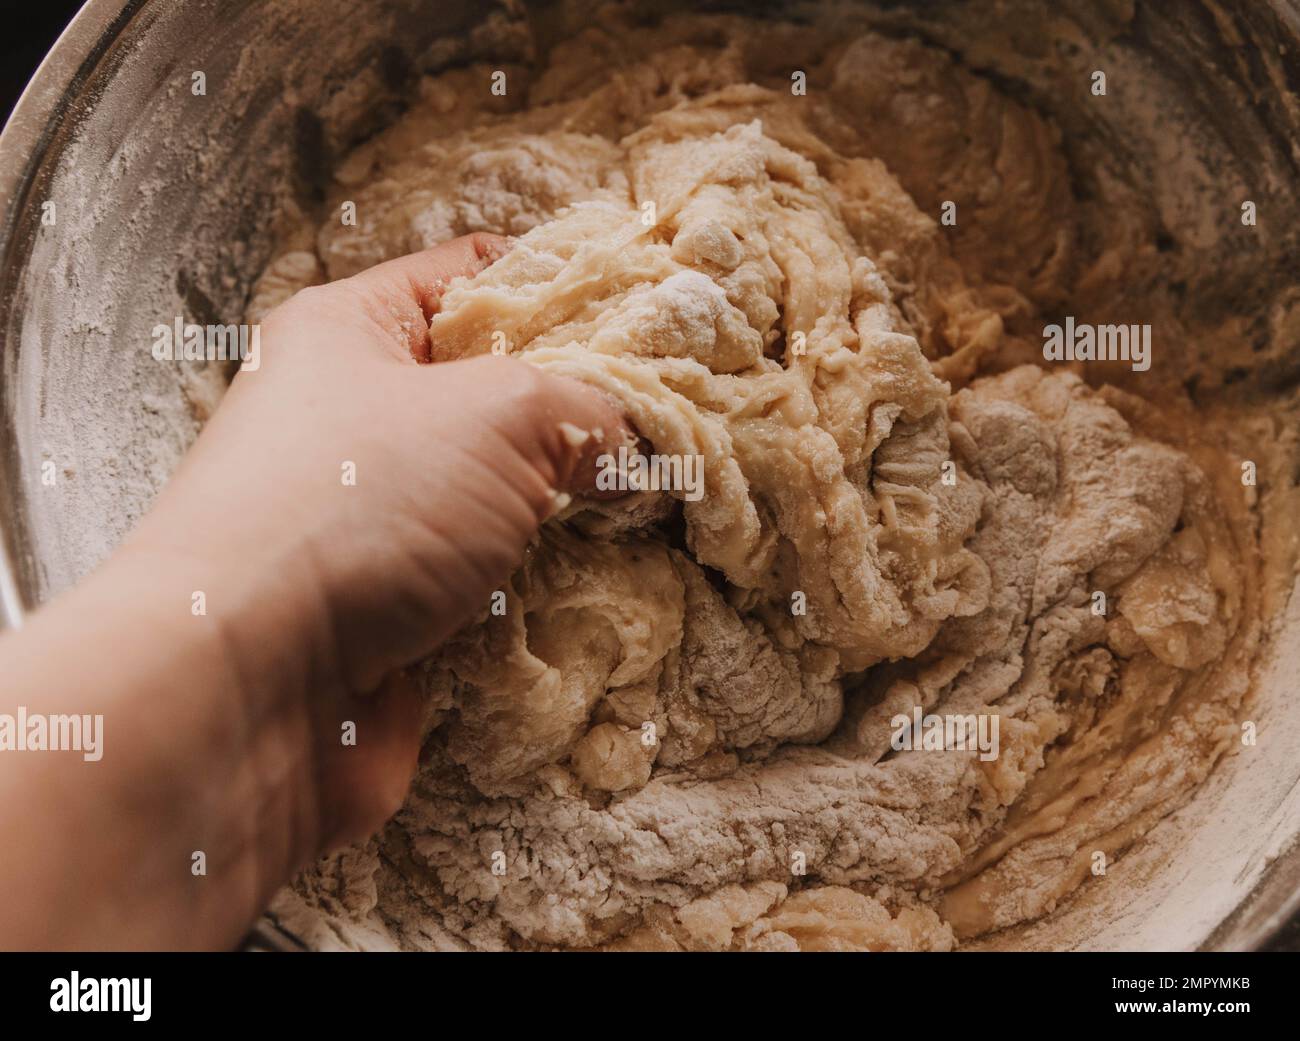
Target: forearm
column 201, row 752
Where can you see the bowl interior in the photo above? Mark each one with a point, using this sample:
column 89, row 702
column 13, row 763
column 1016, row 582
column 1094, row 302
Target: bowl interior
column 166, row 201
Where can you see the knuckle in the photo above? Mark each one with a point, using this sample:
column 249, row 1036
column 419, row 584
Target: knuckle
column 306, row 305
column 310, row 298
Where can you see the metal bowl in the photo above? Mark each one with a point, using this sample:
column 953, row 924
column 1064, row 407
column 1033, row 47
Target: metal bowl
column 166, row 202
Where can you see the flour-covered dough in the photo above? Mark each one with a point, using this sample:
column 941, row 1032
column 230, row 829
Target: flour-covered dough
column 678, row 733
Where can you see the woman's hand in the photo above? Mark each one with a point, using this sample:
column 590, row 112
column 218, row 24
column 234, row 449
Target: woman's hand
column 344, row 511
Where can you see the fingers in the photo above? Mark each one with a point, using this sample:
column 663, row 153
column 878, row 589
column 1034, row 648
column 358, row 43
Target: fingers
column 591, row 426
column 560, row 426
column 407, row 291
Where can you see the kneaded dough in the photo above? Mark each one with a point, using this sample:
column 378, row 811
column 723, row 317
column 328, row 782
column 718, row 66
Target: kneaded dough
column 678, row 734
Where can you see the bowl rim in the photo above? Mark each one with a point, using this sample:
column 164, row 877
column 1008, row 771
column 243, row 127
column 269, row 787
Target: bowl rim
column 27, row 142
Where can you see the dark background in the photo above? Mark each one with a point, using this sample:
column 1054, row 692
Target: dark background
column 24, row 42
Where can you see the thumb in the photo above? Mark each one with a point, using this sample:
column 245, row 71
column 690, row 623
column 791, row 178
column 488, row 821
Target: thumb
column 564, row 427
column 406, row 291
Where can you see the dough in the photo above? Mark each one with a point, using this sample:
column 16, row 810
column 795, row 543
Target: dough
column 678, row 735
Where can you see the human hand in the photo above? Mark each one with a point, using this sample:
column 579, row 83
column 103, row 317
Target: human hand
column 455, row 466
column 317, row 591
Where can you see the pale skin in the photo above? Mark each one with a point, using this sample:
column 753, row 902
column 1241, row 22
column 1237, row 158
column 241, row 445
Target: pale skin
column 223, row 732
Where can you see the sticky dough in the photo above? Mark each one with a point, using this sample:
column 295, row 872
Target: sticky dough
column 677, row 735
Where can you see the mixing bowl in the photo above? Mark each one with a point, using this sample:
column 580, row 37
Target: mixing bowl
column 131, row 196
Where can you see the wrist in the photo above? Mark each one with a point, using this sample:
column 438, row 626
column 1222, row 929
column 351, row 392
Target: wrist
column 224, row 678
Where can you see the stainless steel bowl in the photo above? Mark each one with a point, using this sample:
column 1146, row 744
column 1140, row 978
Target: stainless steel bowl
column 166, row 203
